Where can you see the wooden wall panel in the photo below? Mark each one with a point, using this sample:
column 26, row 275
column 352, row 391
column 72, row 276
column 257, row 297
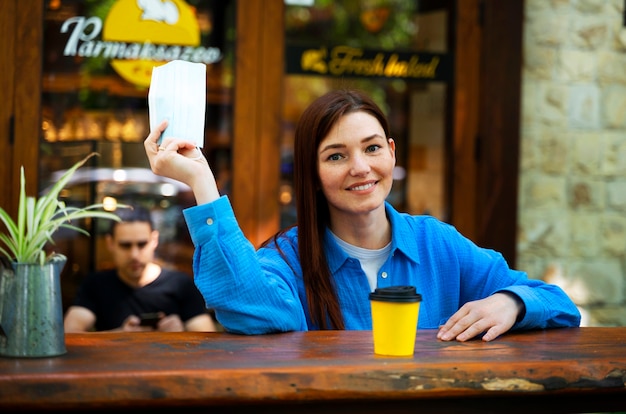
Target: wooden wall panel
column 486, row 122
column 467, row 48
column 245, row 116
column 269, row 104
column 7, row 75
column 28, row 72
column 500, row 126
column 257, row 114
column 21, row 27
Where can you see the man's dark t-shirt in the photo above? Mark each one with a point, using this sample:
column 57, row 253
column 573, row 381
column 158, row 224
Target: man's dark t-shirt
column 112, row 300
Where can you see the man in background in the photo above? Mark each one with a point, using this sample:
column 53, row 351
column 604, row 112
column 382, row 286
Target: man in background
column 138, row 294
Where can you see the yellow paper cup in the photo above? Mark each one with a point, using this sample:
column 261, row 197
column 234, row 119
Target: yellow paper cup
column 395, row 312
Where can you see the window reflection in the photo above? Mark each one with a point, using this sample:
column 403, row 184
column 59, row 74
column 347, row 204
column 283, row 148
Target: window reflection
column 380, row 45
column 97, row 61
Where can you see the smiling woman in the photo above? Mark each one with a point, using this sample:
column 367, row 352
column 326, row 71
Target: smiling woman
column 356, row 162
column 348, row 241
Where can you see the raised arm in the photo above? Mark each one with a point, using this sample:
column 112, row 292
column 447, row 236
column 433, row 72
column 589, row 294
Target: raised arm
column 182, row 161
column 247, row 297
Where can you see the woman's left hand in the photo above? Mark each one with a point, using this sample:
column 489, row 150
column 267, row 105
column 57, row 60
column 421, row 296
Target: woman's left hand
column 493, row 315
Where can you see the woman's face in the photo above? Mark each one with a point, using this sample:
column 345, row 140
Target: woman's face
column 355, row 164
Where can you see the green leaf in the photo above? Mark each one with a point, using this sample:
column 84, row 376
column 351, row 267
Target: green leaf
column 21, row 213
column 39, row 219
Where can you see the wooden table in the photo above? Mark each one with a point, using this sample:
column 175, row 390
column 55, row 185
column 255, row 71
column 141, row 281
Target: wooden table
column 562, row 370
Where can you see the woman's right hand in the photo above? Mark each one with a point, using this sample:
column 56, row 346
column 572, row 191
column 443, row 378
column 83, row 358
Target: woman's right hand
column 181, row 160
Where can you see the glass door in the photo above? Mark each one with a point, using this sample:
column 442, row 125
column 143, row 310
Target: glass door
column 97, row 63
column 399, row 53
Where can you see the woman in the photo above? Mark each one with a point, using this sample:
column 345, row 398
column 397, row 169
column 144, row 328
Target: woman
column 348, row 241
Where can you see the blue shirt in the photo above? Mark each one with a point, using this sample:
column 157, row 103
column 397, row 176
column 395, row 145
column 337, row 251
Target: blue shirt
column 255, row 292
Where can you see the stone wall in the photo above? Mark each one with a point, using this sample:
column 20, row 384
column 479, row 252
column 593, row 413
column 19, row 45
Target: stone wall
column 572, row 205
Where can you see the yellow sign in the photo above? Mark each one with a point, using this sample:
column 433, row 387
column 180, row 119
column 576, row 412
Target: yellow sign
column 138, row 35
column 171, row 22
column 347, row 61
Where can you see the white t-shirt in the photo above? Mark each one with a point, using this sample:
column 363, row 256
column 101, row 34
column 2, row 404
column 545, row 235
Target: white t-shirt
column 371, row 260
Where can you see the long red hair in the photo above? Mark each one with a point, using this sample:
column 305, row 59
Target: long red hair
column 311, row 205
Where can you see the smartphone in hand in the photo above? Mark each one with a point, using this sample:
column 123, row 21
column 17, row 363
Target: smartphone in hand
column 150, row 319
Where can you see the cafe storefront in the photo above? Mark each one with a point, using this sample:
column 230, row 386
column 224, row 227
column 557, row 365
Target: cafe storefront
column 80, row 75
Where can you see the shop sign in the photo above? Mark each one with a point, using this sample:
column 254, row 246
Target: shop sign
column 137, row 35
column 347, row 61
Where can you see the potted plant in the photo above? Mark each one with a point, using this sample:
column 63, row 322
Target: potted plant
column 31, row 312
